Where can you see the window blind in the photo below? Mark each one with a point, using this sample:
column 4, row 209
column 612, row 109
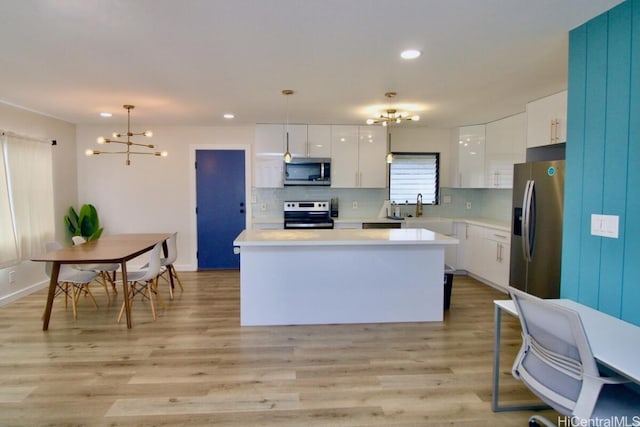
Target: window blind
column 410, row 174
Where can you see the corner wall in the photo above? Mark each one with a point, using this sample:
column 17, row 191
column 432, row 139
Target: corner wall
column 603, row 177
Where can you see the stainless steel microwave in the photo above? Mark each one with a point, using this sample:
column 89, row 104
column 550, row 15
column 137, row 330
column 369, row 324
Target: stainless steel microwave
column 308, row 171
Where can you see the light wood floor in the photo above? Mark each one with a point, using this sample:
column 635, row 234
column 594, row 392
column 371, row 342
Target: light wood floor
column 196, row 366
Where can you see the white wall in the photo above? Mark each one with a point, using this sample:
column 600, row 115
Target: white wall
column 152, row 194
column 29, row 275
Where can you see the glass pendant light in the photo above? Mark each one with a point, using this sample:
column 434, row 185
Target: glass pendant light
column 287, row 154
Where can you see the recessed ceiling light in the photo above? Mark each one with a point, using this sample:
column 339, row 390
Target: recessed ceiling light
column 105, row 114
column 410, row 54
column 228, row 116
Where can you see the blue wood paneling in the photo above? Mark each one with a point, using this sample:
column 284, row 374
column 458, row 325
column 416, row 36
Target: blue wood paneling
column 593, row 166
column 603, row 163
column 631, row 276
column 572, row 225
column 616, row 144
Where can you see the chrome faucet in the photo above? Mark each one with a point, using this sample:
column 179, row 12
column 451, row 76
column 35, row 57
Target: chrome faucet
column 419, row 205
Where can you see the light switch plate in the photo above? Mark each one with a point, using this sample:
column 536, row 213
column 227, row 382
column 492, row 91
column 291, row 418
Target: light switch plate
column 605, row 225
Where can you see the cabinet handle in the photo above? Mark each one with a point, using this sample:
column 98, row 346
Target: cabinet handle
column 499, row 236
column 466, row 232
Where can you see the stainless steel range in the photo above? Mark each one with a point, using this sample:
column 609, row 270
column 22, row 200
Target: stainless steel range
column 307, row 215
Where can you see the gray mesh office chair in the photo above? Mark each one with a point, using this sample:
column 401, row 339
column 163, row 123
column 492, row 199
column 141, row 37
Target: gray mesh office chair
column 555, row 362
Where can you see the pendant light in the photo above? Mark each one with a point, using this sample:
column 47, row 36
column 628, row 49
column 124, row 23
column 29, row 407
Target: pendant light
column 287, row 154
column 389, row 156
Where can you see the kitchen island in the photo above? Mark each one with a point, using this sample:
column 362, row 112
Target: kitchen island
column 299, row 277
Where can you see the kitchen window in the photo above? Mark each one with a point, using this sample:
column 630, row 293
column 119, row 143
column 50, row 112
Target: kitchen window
column 413, row 173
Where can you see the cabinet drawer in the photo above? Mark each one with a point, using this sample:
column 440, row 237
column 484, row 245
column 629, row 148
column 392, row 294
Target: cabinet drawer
column 498, row 235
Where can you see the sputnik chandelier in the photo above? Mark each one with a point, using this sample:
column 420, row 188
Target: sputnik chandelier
column 391, row 115
column 128, row 152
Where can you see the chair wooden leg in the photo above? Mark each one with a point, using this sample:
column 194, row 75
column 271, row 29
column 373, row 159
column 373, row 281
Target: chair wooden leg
column 150, row 293
column 175, row 274
column 104, row 278
column 73, row 302
column 130, row 296
column 84, row 289
column 158, row 296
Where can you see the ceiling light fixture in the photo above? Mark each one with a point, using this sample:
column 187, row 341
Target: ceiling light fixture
column 287, row 154
column 128, row 142
column 386, row 118
column 105, row 114
column 228, row 116
column 391, row 115
column 410, row 54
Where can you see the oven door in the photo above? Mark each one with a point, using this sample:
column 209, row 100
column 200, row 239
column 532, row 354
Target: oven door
column 307, row 220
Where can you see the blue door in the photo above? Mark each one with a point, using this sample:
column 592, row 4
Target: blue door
column 220, row 197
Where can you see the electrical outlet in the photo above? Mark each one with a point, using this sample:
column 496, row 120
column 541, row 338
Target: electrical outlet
column 263, row 207
column 468, row 205
column 355, row 204
column 446, row 199
column 12, row 277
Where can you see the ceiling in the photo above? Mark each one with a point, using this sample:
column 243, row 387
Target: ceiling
column 188, row 62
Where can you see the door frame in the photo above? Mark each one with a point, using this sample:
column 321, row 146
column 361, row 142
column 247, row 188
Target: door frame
column 193, row 219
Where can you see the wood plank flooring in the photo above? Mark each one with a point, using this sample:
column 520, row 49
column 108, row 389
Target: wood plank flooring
column 196, row 366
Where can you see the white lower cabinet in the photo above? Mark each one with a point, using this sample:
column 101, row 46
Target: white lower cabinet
column 497, row 254
column 484, row 252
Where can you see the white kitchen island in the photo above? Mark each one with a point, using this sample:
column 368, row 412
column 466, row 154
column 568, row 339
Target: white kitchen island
column 299, row 277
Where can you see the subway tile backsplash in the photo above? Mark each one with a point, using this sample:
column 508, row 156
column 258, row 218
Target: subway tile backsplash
column 363, row 203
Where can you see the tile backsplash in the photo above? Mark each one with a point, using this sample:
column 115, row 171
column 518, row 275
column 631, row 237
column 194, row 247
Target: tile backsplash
column 363, row 203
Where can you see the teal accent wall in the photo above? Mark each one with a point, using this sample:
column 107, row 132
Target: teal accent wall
column 603, row 163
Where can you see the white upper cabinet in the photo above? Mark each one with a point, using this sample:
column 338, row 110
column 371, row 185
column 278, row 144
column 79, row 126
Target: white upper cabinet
column 547, row 120
column 319, row 141
column 344, row 156
column 505, row 145
column 372, row 164
column 268, row 157
column 471, row 146
column 297, row 140
column 358, row 157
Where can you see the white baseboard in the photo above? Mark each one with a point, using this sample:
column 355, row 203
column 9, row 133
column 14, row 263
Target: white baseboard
column 6, row 299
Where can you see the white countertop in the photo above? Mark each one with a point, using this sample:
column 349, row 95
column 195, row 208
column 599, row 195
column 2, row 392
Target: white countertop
column 400, row 236
column 486, row 222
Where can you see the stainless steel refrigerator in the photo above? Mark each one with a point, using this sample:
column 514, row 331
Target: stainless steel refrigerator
column 536, row 227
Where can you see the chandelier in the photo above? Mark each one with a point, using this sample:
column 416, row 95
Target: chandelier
column 128, row 143
column 391, row 115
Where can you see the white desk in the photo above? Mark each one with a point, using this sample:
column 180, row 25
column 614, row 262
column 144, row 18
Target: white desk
column 614, row 343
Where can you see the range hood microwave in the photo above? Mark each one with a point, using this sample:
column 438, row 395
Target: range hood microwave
column 308, row 171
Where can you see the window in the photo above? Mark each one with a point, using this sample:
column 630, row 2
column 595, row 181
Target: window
column 26, row 198
column 413, row 173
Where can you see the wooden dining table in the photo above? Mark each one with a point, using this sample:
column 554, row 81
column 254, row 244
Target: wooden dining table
column 116, row 248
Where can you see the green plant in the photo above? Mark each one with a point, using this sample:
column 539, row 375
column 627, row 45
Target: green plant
column 85, row 224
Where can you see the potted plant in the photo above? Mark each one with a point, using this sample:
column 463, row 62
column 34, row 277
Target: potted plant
column 85, row 223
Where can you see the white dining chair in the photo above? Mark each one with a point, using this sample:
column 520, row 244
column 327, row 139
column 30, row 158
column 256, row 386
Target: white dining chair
column 104, row 271
column 143, row 282
column 71, row 282
column 169, row 273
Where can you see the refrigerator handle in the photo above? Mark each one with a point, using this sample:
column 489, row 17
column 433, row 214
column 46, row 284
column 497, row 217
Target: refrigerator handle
column 526, row 220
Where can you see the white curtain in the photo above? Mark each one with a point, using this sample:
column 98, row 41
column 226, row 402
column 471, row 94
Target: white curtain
column 8, row 246
column 31, row 193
